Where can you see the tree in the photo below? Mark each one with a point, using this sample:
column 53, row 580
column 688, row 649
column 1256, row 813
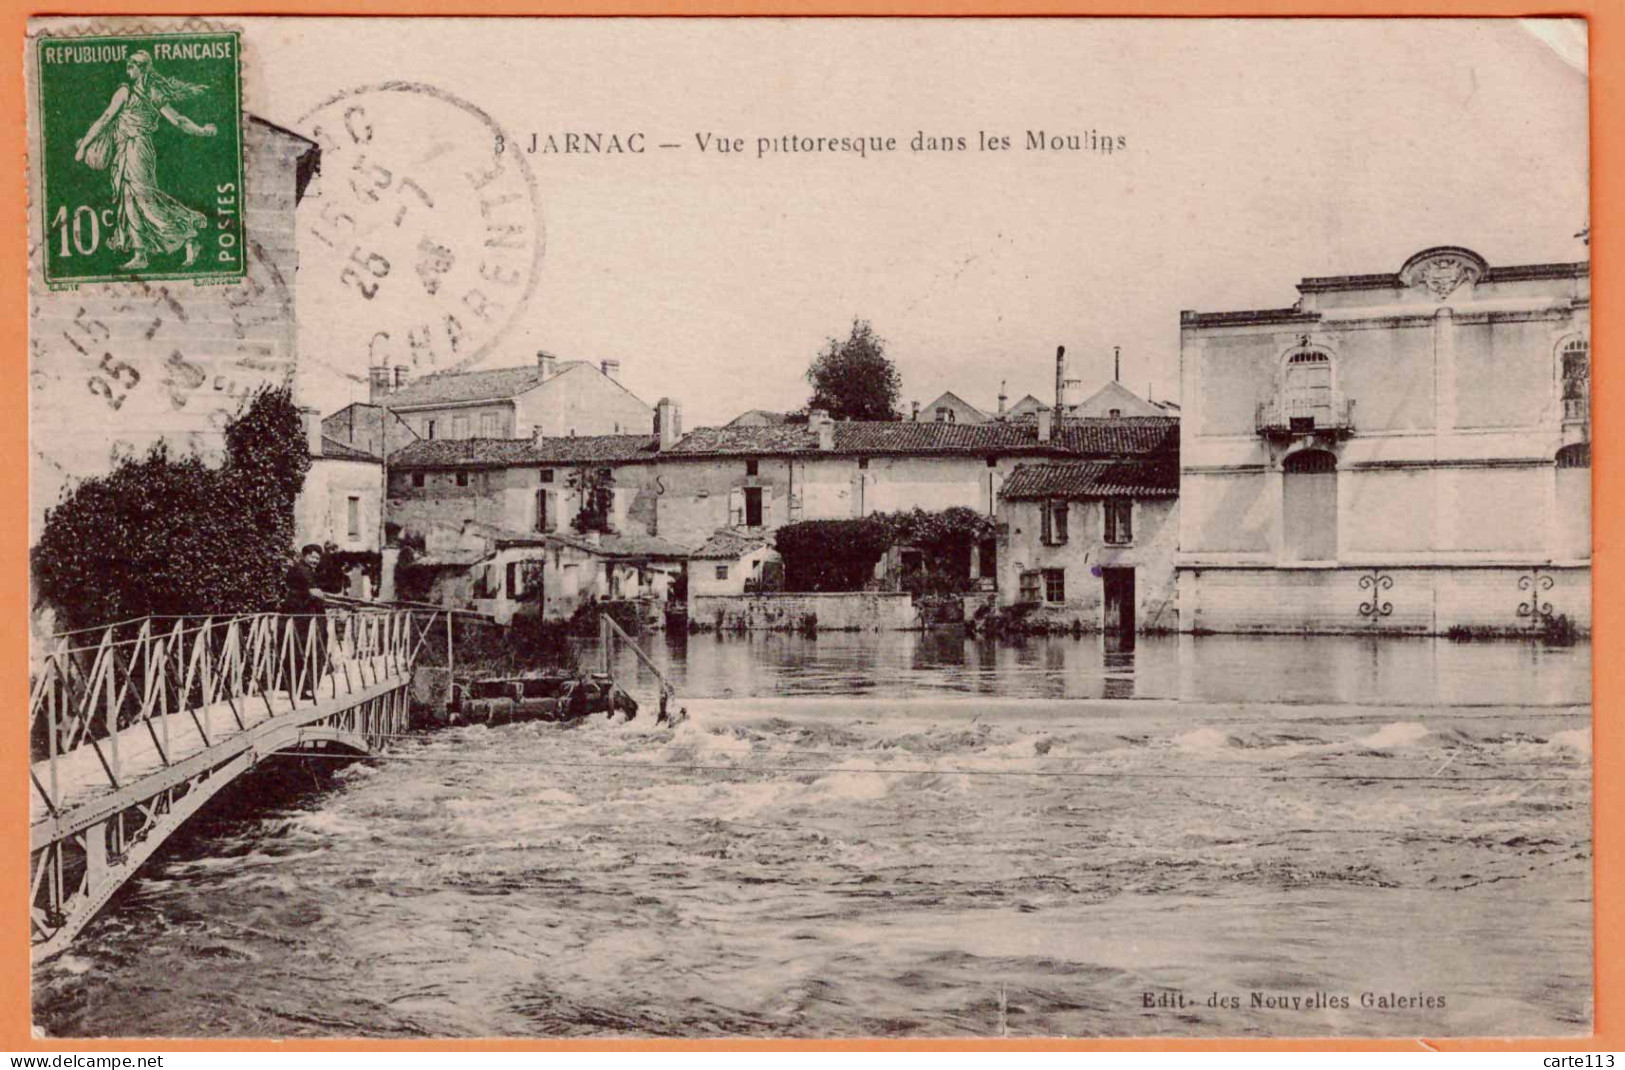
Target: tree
column 854, row 379
column 164, row 535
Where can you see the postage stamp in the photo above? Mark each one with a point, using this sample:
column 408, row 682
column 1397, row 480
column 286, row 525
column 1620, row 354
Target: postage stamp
column 141, row 157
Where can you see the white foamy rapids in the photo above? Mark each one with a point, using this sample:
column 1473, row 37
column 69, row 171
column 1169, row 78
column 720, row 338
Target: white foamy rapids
column 1397, row 734
column 886, row 867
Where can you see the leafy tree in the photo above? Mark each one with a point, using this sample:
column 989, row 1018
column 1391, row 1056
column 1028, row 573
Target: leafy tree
column 170, row 535
column 854, row 379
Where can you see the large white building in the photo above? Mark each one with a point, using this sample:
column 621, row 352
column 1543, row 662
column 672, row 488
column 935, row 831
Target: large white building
column 1403, row 451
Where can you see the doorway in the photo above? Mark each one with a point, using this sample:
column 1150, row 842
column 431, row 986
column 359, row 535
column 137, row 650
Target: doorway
column 1118, row 585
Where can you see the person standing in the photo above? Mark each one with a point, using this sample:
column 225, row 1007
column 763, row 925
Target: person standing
column 306, row 603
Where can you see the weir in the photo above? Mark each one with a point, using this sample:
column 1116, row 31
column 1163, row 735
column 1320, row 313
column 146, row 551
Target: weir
column 134, row 729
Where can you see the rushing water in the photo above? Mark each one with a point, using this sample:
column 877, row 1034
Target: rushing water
column 906, row 835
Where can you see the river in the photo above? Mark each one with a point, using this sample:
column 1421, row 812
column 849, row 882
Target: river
column 906, row 835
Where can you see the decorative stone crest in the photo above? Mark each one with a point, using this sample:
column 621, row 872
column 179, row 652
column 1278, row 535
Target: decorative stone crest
column 1442, row 271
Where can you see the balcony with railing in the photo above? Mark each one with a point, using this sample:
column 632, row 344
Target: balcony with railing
column 1325, row 413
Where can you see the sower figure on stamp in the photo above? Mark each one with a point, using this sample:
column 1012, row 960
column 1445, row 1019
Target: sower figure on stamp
column 149, row 220
column 306, row 603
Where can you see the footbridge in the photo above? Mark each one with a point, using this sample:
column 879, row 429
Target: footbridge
column 136, row 727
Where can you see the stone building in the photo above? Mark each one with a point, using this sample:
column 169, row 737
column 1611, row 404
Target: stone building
column 1092, row 544
column 748, row 480
column 341, row 504
column 521, row 485
column 1397, row 452
column 113, row 368
column 369, row 428
column 758, row 478
column 504, row 574
column 953, row 409
column 550, row 398
column 1115, row 399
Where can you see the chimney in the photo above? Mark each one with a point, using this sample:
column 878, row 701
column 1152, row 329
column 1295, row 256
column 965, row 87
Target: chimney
column 1003, row 397
column 1117, row 364
column 820, row 421
column 611, row 369
column 1044, row 415
column 377, row 383
column 916, row 416
column 668, row 423
column 547, row 364
column 1060, row 378
column 402, row 373
column 312, row 421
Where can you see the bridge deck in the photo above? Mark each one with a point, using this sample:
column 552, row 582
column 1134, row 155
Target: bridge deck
column 81, row 778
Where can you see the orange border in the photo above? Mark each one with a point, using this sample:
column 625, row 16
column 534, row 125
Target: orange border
column 1607, row 24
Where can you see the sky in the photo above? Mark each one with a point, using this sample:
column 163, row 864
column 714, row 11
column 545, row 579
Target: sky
column 1253, row 154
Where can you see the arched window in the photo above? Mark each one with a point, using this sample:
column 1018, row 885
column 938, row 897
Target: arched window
column 1309, row 506
column 1306, row 385
column 1576, row 379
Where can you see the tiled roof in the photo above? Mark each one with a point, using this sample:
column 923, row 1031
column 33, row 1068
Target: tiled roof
column 1094, row 479
column 617, row 544
column 729, row 545
column 500, row 452
column 773, row 438
column 485, row 384
column 1105, row 436
column 336, row 450
column 447, row 387
column 1116, row 436
column 758, row 417
column 1087, row 437
column 450, row 559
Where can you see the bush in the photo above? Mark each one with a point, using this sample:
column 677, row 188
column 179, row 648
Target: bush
column 173, row 536
column 831, row 555
column 840, row 555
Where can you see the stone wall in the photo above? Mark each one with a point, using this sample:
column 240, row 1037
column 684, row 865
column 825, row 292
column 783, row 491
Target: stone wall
column 1413, row 601
column 114, row 367
column 840, row 612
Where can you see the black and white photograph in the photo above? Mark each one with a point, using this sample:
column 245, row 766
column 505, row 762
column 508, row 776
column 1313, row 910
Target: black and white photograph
column 809, row 528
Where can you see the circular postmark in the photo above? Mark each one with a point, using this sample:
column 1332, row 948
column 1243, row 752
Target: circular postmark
column 423, row 240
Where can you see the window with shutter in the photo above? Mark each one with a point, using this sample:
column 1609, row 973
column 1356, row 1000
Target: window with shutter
column 1119, row 527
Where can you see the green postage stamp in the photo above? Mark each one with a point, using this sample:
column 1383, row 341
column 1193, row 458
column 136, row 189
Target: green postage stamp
column 141, row 157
